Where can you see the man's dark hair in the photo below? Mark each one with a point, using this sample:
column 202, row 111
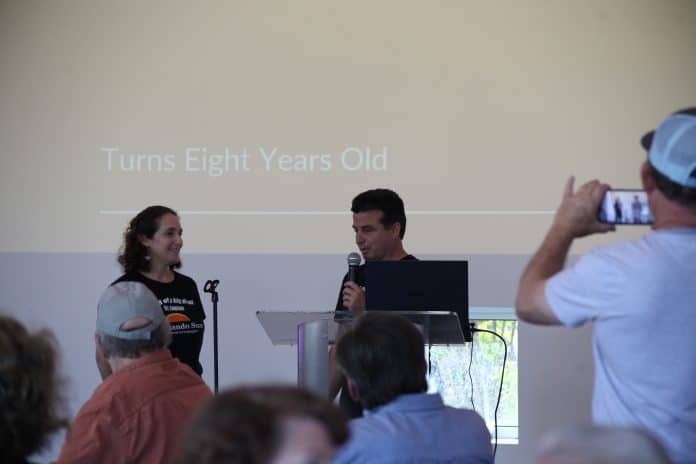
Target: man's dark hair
column 383, row 356
column 32, row 405
column 384, row 200
column 246, row 425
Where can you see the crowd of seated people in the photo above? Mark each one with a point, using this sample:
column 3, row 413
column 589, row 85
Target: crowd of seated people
column 383, row 361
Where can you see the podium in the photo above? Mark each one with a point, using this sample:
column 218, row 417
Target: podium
column 314, row 332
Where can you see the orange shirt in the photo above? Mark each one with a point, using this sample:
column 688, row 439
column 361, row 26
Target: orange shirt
column 137, row 415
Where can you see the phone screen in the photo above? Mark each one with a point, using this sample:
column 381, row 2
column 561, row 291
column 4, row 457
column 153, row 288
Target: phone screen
column 625, row 207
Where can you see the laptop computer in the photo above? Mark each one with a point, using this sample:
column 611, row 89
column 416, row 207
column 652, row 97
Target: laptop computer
column 419, row 286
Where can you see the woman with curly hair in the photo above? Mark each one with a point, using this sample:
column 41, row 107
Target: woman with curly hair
column 150, row 254
column 31, row 404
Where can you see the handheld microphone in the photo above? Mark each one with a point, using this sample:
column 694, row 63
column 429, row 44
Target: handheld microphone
column 353, row 263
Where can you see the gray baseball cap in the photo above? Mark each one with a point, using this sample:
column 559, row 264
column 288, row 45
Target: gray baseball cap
column 672, row 147
column 124, row 301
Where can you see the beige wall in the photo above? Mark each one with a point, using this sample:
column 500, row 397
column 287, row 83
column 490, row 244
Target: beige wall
column 482, row 107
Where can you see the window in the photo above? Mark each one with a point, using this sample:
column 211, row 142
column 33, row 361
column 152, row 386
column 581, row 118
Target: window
column 472, row 380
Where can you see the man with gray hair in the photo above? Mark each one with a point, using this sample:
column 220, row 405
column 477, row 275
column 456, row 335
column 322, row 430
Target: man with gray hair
column 146, row 399
column 600, row 445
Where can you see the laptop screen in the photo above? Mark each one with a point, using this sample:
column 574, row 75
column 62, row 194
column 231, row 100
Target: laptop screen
column 419, row 286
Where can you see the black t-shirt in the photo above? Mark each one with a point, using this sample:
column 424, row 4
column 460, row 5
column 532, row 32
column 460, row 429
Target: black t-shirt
column 353, row 408
column 182, row 306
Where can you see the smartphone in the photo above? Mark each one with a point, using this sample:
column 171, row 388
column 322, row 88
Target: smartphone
column 625, row 206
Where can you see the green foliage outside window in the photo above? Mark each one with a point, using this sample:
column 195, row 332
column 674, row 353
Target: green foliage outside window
column 454, row 371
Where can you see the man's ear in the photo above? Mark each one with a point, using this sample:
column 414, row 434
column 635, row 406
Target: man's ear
column 352, row 389
column 647, row 178
column 103, row 365
column 395, row 229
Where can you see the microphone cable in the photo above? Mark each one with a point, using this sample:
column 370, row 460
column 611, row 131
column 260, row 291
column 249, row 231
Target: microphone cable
column 500, row 391
column 471, row 378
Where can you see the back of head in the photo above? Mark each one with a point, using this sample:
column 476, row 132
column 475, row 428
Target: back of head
column 672, row 156
column 383, row 356
column 130, row 321
column 31, row 405
column 249, row 425
column 384, row 200
column 600, row 445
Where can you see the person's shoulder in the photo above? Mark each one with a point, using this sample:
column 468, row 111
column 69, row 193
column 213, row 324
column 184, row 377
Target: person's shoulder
column 183, row 278
column 182, row 282
column 362, row 424
column 175, row 379
column 626, row 251
column 466, row 415
column 375, row 427
column 470, row 424
column 130, row 276
column 187, row 377
column 99, row 406
column 368, row 434
column 381, row 437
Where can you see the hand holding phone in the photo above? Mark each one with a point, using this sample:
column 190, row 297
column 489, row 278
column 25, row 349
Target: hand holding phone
column 625, row 206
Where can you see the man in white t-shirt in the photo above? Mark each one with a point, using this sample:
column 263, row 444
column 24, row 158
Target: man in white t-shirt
column 640, row 294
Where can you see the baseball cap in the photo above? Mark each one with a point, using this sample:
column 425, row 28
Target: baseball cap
column 124, row 301
column 672, row 147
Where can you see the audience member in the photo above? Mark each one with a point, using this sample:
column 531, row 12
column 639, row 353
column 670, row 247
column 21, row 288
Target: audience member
column 150, row 254
column 383, row 360
column 639, row 294
column 265, row 425
column 31, row 404
column 139, row 412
